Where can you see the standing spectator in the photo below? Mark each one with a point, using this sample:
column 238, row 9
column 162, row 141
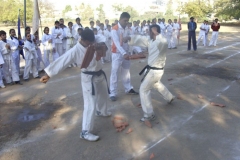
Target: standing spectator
column 192, row 26
column 215, row 27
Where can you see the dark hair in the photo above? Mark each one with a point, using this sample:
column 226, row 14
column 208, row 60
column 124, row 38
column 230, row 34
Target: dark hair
column 80, row 29
column 27, row 28
column 86, row 27
column 2, row 32
column 157, row 26
column 94, row 29
column 192, row 18
column 91, row 22
column 108, row 26
column 78, row 19
column 45, row 29
column 11, row 30
column 61, row 19
column 125, row 15
column 88, row 35
column 101, row 24
column 56, row 22
column 69, row 23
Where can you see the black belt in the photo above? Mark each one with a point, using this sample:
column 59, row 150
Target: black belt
column 97, row 73
column 148, row 69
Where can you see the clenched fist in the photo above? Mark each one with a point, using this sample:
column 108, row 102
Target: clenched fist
column 44, row 79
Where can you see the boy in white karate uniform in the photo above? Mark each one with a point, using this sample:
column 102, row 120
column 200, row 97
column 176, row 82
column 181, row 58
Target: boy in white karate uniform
column 48, row 47
column 202, row 34
column 157, row 48
column 1, row 65
column 57, row 35
column 9, row 68
column 169, row 35
column 207, row 27
column 176, row 32
column 31, row 58
column 93, row 79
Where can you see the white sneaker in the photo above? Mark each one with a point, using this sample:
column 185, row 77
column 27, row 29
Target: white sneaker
column 89, row 136
column 151, row 118
column 2, row 86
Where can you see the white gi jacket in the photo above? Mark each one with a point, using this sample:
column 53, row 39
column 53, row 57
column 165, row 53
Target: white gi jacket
column 30, row 50
column 6, row 53
column 46, row 44
column 55, row 32
column 156, row 49
column 75, row 55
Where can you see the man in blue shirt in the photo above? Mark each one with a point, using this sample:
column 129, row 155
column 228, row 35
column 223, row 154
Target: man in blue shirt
column 192, row 26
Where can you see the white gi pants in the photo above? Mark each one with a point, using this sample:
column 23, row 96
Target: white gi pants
column 64, row 45
column 16, row 60
column 202, row 35
column 214, row 38
column 47, row 54
column 175, row 36
column 119, row 64
column 59, row 48
column 10, row 71
column 152, row 80
column 39, row 59
column 93, row 103
column 109, row 52
column 31, row 65
column 170, row 41
column 206, row 39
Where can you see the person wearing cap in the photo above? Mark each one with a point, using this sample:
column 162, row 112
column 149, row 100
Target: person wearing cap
column 215, row 27
column 192, row 26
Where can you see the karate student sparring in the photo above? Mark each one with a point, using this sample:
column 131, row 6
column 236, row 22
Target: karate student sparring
column 120, row 57
column 157, row 48
column 87, row 54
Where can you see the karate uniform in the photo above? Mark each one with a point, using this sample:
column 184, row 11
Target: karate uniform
column 48, row 49
column 206, row 33
column 156, row 61
column 92, row 103
column 39, row 55
column 163, row 28
column 9, row 68
column 31, row 60
column 134, row 31
column 64, row 41
column 109, row 45
column 202, row 34
column 15, row 52
column 107, row 35
column 1, row 76
column 58, row 39
column 70, row 38
column 169, row 36
column 119, row 64
column 176, row 32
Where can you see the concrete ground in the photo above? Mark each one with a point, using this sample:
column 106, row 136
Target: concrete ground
column 43, row 121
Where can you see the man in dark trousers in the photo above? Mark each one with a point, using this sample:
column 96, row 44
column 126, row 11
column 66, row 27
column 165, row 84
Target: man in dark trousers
column 192, row 26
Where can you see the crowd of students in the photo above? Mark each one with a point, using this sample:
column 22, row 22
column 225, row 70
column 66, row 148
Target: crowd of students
column 61, row 38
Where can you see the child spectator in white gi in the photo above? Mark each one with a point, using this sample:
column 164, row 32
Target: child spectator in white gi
column 169, row 35
column 202, row 34
column 57, row 35
column 176, row 32
column 39, row 53
column 31, row 58
column 1, row 65
column 9, row 68
column 91, row 25
column 15, row 49
column 48, row 47
column 207, row 27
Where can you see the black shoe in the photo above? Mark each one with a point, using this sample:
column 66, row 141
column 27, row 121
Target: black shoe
column 26, row 80
column 37, row 77
column 11, row 83
column 113, row 98
column 18, row 82
column 132, row 92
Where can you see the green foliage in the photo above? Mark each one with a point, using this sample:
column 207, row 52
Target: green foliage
column 85, row 11
column 68, row 8
column 101, row 13
column 120, row 8
column 227, row 9
column 196, row 8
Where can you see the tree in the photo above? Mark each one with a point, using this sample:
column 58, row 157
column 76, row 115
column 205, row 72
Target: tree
column 67, row 9
column 9, row 10
column 133, row 13
column 196, row 8
column 227, row 9
column 117, row 7
column 46, row 8
column 85, row 11
column 101, row 13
